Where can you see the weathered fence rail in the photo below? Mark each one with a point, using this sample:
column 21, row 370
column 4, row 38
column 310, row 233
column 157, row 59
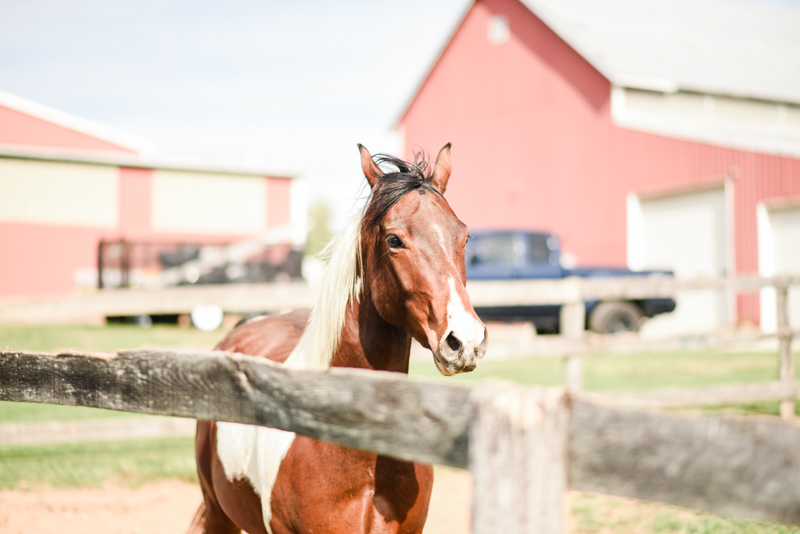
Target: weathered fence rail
column 525, row 446
column 571, row 293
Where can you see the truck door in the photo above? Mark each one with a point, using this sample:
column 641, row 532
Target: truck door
column 540, row 253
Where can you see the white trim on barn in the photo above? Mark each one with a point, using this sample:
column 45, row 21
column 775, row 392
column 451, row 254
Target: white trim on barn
column 753, row 125
column 635, row 230
column 778, row 223
column 122, row 160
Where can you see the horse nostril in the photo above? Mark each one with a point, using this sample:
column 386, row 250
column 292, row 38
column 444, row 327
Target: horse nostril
column 453, row 342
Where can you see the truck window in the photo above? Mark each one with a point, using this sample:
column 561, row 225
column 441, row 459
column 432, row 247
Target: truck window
column 497, row 249
column 538, row 251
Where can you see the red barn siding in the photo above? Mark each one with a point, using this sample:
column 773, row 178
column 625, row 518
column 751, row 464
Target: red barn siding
column 17, row 128
column 47, row 257
column 279, row 192
column 135, row 190
column 534, row 144
column 44, row 257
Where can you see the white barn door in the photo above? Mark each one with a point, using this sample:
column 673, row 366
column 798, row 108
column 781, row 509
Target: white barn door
column 686, row 233
column 779, row 253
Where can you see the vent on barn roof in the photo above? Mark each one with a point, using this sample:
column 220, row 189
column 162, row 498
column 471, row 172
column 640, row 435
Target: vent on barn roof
column 498, row 29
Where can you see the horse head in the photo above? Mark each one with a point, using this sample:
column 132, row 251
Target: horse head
column 413, row 259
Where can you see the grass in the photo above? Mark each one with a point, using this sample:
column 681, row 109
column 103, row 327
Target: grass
column 640, row 371
column 131, row 462
column 22, row 412
column 52, row 338
column 631, row 372
column 601, row 514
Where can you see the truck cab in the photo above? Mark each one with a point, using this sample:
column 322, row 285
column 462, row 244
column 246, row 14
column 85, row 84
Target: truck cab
column 521, row 254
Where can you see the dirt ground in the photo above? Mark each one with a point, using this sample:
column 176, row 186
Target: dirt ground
column 167, row 507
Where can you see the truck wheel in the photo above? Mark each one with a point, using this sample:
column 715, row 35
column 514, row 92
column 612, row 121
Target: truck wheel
column 613, row 317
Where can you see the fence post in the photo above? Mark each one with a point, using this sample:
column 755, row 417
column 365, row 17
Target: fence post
column 101, row 250
column 573, row 322
column 518, row 458
column 785, row 346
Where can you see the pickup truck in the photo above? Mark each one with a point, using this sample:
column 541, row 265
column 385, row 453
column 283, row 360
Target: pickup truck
column 518, row 254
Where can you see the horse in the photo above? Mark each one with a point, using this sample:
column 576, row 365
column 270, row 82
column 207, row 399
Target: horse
column 396, row 272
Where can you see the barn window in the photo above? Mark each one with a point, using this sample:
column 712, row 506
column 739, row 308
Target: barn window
column 498, row 29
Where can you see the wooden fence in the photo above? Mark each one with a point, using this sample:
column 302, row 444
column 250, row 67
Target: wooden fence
column 525, row 446
column 572, row 345
column 573, row 321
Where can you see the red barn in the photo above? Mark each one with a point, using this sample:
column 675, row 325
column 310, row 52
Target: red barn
column 67, row 183
column 644, row 133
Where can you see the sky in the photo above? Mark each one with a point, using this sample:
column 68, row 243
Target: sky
column 287, row 86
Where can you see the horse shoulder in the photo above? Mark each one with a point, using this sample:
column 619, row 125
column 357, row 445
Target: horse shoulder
column 323, row 487
column 272, row 337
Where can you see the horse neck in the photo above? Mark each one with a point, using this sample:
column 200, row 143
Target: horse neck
column 369, row 342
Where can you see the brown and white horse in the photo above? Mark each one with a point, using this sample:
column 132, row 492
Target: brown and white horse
column 395, row 273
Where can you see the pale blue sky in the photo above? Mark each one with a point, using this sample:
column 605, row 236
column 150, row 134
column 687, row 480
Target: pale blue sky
column 288, row 85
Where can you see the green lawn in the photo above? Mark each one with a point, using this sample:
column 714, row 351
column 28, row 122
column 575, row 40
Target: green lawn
column 601, row 514
column 606, row 372
column 104, row 338
column 131, row 462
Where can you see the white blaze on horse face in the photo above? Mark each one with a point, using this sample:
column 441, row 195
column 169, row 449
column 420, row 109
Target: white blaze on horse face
column 464, row 326
column 441, row 238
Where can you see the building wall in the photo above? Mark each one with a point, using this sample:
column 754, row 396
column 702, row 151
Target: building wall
column 208, row 203
column 279, row 193
column 535, row 146
column 53, row 215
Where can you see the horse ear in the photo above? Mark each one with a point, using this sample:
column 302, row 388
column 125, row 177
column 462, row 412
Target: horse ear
column 443, row 169
column 371, row 171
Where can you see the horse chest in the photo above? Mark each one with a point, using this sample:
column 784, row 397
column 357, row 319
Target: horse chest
column 323, row 487
column 308, row 485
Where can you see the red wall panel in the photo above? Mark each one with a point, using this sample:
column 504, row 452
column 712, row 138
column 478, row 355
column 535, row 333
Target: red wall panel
column 278, row 201
column 534, row 144
column 42, row 260
column 135, row 190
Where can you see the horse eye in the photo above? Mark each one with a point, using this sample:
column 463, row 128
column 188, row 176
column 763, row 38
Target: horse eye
column 394, row 242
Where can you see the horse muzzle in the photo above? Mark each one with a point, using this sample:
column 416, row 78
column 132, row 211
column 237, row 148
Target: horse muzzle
column 459, row 352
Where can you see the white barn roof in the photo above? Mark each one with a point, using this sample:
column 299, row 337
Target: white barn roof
column 728, row 47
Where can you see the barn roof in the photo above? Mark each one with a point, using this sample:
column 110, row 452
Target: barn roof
column 733, row 47
column 73, row 122
column 133, row 160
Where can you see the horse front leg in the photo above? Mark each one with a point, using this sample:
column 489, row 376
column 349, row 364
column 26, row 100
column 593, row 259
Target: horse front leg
column 209, row 518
